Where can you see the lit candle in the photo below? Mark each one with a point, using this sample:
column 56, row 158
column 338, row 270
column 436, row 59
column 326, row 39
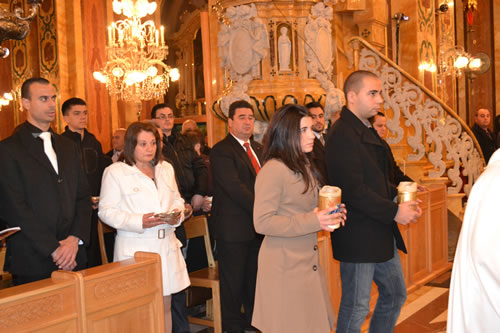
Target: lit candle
column 156, row 37
column 162, row 30
column 110, row 36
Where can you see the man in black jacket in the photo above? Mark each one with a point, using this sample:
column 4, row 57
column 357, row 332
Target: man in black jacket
column 93, row 160
column 43, row 189
column 483, row 133
column 357, row 161
column 192, row 179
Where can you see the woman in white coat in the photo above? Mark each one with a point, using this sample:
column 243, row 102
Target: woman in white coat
column 132, row 192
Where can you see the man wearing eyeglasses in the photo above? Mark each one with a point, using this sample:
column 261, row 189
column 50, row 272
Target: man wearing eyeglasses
column 192, row 179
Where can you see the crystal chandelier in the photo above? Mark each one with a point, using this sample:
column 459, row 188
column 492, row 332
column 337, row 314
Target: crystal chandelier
column 135, row 69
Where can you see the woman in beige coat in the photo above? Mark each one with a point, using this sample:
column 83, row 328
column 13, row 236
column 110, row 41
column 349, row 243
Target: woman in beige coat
column 291, row 294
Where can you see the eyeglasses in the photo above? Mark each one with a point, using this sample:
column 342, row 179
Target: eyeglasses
column 163, row 117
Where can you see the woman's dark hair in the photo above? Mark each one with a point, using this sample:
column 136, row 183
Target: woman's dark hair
column 282, row 142
column 131, row 135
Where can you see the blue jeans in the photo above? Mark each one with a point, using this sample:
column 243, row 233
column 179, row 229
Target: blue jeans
column 356, row 287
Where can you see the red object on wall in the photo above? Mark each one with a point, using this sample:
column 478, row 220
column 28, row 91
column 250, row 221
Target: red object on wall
column 470, row 16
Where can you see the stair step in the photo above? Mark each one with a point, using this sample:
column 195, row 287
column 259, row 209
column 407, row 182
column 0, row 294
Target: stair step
column 413, row 169
column 437, row 180
column 449, row 164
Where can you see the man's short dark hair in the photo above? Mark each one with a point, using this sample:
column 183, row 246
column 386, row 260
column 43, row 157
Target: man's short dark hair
column 311, row 105
column 68, row 104
column 238, row 105
column 355, row 80
column 25, row 88
column 157, row 107
column 372, row 119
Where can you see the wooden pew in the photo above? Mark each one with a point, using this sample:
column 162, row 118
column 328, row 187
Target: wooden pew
column 125, row 296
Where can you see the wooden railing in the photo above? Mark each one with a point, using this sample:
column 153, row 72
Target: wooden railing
column 432, row 130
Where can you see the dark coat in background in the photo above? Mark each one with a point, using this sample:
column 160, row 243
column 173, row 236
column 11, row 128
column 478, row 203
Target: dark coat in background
column 47, row 206
column 486, row 140
column 357, row 161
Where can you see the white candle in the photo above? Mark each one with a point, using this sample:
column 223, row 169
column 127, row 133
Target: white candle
column 162, row 30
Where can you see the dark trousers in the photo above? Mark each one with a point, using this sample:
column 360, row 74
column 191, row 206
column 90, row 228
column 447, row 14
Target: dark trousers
column 180, row 323
column 93, row 250
column 81, row 263
column 238, row 276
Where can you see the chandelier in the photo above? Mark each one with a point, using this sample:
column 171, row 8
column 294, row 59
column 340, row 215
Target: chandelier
column 135, row 69
column 14, row 26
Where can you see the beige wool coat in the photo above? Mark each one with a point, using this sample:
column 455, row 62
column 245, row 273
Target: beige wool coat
column 291, row 294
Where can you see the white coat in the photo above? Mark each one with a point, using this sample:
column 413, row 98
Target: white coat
column 126, row 195
column 474, row 303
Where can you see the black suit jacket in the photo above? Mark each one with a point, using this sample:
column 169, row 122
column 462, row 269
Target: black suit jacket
column 487, row 143
column 358, row 162
column 47, row 206
column 319, row 157
column 234, row 180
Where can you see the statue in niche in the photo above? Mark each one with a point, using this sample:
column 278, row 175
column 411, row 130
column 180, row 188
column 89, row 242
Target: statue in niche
column 284, row 49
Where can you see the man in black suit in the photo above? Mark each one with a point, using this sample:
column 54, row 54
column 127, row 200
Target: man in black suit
column 44, row 191
column 357, row 162
column 483, row 133
column 117, row 144
column 235, row 164
column 318, row 116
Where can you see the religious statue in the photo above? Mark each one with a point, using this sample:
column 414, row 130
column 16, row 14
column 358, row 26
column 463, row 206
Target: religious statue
column 284, row 50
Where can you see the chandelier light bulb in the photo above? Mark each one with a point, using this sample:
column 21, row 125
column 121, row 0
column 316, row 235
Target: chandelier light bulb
column 475, row 63
column 8, row 96
column 117, row 7
column 128, row 80
column 157, row 80
column 461, row 62
column 137, row 76
column 151, row 8
column 117, row 71
column 174, row 74
column 152, row 71
column 99, row 77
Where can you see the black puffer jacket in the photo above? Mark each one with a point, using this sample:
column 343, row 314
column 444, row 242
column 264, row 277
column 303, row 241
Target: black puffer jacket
column 93, row 159
column 190, row 171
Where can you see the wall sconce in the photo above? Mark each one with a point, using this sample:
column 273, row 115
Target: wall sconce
column 455, row 61
column 428, row 66
column 5, row 99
